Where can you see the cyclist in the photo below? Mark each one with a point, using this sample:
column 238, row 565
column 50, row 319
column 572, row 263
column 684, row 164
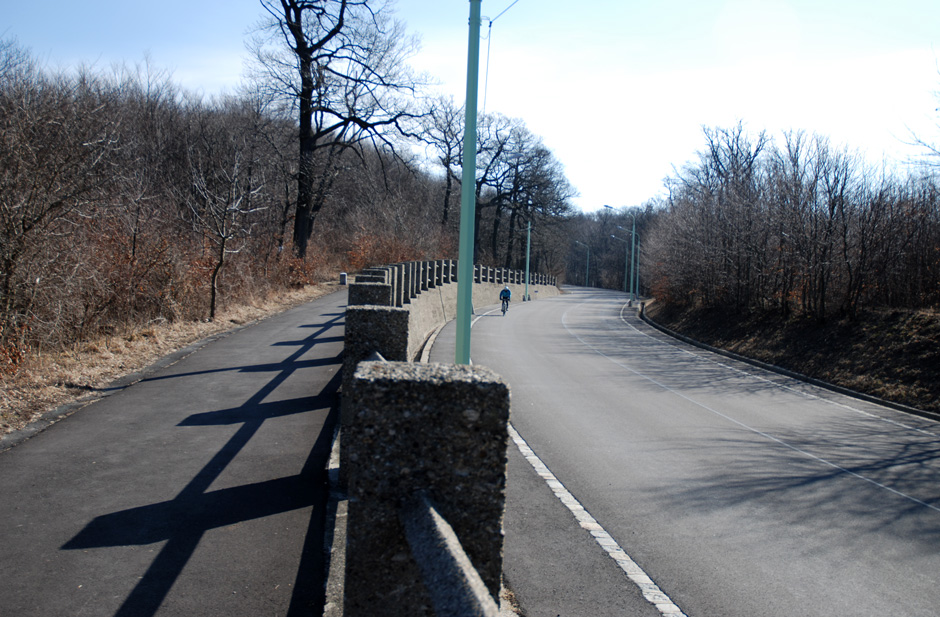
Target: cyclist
column 505, row 296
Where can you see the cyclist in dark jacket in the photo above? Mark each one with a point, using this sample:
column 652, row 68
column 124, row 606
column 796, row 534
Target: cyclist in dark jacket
column 505, row 296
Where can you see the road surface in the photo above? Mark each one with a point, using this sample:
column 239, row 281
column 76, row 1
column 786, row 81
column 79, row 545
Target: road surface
column 737, row 492
column 197, row 490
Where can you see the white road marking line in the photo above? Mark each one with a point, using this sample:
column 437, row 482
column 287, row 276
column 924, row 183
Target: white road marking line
column 653, row 594
column 745, row 426
column 474, row 321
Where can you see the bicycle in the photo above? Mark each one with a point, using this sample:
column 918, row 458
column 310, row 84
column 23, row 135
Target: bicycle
column 505, row 306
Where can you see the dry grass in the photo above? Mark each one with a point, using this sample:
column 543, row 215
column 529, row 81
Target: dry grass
column 508, row 605
column 49, row 380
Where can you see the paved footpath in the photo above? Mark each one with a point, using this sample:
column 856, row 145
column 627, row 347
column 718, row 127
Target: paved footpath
column 198, row 490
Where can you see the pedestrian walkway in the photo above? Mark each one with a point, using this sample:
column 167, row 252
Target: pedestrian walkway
column 199, row 490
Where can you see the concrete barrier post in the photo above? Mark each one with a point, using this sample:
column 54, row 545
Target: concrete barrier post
column 406, row 283
column 378, row 294
column 393, row 283
column 369, row 329
column 415, row 279
column 431, row 428
column 399, row 284
column 373, row 275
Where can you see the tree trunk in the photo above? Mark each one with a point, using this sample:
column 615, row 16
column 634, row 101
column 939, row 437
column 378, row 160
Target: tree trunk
column 512, row 237
column 303, row 220
column 214, row 292
column 494, row 238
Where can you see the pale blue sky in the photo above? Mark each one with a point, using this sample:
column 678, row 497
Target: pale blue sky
column 618, row 89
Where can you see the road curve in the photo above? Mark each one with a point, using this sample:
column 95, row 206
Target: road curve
column 737, row 491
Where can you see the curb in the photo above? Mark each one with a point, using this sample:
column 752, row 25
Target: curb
column 334, row 541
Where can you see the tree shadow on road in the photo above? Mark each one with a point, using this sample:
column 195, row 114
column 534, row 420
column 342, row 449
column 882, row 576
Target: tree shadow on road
column 877, row 480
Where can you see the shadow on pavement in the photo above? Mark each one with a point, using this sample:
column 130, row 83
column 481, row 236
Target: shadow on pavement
column 182, row 521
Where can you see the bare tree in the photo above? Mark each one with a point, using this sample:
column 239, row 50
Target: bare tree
column 443, row 128
column 340, row 67
column 223, row 161
column 57, row 135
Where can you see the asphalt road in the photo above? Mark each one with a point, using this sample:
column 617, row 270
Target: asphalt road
column 737, row 492
column 197, row 490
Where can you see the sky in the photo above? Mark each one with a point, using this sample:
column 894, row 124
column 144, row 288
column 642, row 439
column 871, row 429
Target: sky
column 619, row 90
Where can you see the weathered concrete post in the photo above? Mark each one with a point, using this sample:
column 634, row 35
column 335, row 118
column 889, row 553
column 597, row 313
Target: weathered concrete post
column 445, row 272
column 399, row 292
column 382, row 329
column 379, row 294
column 431, row 428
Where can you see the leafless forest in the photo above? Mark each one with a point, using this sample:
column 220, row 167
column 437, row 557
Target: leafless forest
column 792, row 226
column 126, row 200
column 797, row 226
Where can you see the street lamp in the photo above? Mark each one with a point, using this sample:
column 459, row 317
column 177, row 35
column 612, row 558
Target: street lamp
column 587, row 269
column 468, row 197
column 528, row 246
column 626, row 261
column 633, row 251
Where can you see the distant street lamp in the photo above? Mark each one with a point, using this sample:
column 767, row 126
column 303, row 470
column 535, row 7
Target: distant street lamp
column 528, row 247
column 587, row 269
column 626, row 261
column 633, row 251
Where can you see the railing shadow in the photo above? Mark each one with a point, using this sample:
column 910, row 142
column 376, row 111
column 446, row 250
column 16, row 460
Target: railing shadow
column 182, row 521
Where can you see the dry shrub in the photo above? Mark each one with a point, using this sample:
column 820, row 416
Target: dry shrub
column 13, row 349
column 370, row 249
